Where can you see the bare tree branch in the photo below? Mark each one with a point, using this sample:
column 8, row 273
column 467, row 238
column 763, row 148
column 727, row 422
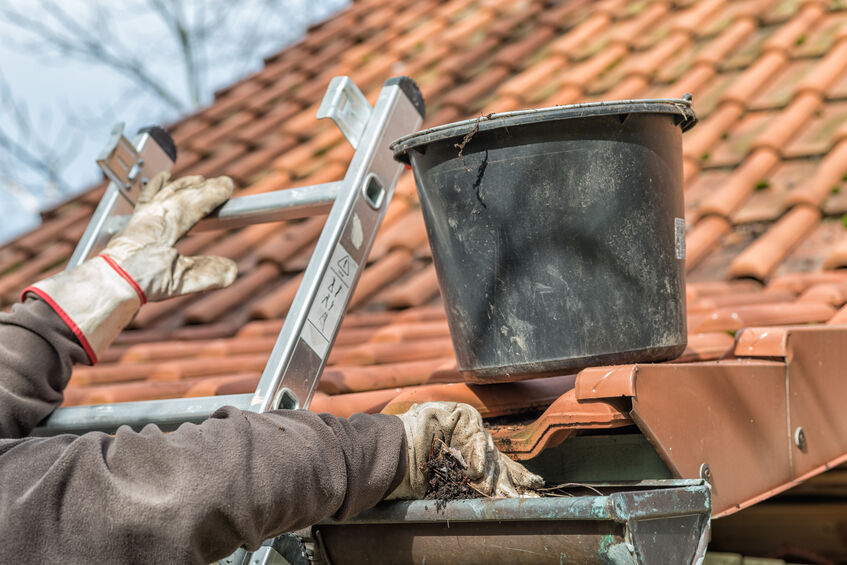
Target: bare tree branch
column 174, row 18
column 26, row 148
column 71, row 38
column 166, row 56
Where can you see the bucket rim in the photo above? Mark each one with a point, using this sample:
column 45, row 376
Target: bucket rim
column 679, row 107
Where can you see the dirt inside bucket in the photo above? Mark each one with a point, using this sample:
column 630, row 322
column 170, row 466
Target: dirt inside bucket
column 446, row 476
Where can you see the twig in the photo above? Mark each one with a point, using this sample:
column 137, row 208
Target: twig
column 479, row 492
column 441, row 441
column 570, row 485
column 468, row 136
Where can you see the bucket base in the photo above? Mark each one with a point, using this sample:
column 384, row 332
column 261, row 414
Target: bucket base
column 489, row 375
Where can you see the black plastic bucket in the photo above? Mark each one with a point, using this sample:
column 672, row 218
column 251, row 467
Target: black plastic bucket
column 557, row 234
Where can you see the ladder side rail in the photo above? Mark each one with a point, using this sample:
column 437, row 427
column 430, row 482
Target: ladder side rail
column 91, row 235
column 125, row 178
column 301, row 350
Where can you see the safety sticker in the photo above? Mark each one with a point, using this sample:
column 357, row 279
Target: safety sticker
column 331, row 300
column 679, row 237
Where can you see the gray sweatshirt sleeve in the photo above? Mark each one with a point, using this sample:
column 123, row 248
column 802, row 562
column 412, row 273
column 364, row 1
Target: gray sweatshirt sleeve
column 37, row 350
column 190, row 496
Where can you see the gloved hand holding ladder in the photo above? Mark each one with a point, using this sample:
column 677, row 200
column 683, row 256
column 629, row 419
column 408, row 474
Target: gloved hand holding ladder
column 100, row 297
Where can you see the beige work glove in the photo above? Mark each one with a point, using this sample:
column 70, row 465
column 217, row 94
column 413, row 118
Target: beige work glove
column 101, row 296
column 460, row 427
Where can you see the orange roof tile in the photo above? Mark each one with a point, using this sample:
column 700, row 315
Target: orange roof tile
column 764, row 187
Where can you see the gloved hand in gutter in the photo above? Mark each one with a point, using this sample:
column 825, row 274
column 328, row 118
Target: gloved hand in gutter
column 460, row 427
column 101, row 296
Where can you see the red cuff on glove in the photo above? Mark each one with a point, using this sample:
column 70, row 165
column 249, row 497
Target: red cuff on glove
column 83, row 341
column 112, row 263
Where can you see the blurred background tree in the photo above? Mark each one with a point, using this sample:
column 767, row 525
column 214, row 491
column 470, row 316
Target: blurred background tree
column 70, row 69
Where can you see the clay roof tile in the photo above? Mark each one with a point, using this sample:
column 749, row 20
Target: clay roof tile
column 786, row 37
column 466, row 97
column 42, row 265
column 56, row 228
column 378, row 274
column 276, row 303
column 515, row 55
column 827, row 71
column 418, row 289
column 762, row 257
column 691, row 20
column 212, row 306
column 762, row 170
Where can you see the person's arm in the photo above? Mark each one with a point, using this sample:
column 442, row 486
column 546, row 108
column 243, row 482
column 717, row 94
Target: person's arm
column 190, row 496
column 194, row 495
column 37, row 349
column 197, row 494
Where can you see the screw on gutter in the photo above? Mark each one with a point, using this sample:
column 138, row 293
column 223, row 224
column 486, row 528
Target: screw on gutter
column 705, row 472
column 800, row 439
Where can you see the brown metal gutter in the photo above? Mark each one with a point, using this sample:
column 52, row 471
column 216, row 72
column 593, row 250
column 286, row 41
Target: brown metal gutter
column 754, row 425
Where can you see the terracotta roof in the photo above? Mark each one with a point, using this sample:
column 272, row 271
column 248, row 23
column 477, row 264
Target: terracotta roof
column 765, row 173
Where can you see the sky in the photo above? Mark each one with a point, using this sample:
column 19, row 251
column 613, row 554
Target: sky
column 72, row 104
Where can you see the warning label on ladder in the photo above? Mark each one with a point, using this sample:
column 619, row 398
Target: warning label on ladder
column 329, row 305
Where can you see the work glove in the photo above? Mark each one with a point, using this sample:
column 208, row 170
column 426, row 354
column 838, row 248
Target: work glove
column 101, row 296
column 460, row 427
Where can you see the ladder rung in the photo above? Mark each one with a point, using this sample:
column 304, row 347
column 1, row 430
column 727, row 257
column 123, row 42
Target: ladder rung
column 168, row 414
column 286, row 204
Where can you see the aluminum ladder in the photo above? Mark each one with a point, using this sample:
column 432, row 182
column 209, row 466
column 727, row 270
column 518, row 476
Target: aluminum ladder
column 356, row 207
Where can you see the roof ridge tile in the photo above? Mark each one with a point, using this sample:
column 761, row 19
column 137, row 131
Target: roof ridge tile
column 738, row 317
